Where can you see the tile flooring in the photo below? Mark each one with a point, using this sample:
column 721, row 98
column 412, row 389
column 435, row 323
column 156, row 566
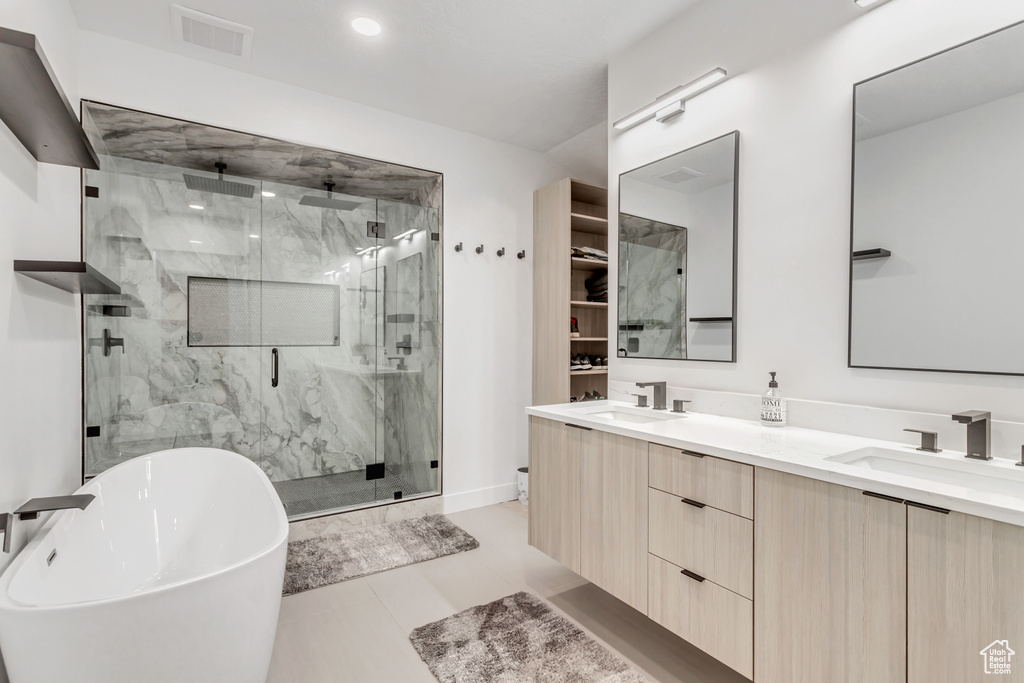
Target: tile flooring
column 358, row 631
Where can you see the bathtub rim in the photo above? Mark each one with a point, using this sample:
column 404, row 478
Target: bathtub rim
column 9, row 604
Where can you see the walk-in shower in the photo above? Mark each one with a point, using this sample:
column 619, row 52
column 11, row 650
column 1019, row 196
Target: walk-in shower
column 279, row 301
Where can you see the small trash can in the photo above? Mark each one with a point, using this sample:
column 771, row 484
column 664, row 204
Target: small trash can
column 523, row 476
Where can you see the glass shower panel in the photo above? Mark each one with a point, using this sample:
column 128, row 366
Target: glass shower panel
column 166, row 389
column 409, row 360
column 319, row 441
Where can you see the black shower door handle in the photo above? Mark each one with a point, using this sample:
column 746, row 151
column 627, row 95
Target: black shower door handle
column 273, row 367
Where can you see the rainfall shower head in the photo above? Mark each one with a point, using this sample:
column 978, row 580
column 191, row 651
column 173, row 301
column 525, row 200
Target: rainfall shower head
column 218, row 185
column 329, row 202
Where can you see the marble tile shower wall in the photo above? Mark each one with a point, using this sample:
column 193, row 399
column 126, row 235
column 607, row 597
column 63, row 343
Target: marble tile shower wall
column 336, row 409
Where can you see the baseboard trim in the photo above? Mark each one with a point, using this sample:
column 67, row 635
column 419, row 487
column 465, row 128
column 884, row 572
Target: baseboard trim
column 478, row 498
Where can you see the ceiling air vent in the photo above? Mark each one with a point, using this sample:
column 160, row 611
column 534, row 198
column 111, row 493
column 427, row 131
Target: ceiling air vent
column 210, row 32
column 681, row 175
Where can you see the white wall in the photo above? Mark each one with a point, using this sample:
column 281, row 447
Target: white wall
column 488, row 198
column 40, row 374
column 944, row 197
column 792, row 67
column 40, row 339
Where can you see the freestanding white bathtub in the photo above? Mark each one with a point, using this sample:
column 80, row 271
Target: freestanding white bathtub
column 173, row 574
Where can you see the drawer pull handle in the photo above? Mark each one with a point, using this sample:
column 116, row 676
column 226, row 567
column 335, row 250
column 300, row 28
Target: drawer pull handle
column 586, row 429
column 882, row 496
column 923, row 506
column 696, row 577
column 693, row 453
column 692, row 502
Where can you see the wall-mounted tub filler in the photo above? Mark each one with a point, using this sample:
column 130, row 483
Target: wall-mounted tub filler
column 979, row 433
column 32, row 508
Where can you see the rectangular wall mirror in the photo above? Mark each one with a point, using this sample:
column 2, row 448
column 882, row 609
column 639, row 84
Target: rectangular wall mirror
column 937, row 232
column 677, row 255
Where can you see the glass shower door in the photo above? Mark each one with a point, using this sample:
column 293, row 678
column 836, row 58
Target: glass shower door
column 319, row 439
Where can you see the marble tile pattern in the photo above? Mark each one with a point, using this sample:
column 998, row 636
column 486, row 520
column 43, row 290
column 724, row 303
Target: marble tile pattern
column 176, row 143
column 336, row 408
column 652, row 293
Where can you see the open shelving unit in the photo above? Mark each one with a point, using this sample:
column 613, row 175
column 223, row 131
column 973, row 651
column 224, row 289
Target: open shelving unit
column 569, row 213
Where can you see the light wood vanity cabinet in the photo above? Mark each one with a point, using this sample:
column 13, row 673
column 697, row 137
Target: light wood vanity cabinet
column 830, row 583
column 588, row 505
column 614, row 526
column 784, row 578
column 555, row 455
column 966, row 590
column 701, row 547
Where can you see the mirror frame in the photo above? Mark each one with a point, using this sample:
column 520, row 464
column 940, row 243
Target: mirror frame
column 735, row 249
column 853, row 194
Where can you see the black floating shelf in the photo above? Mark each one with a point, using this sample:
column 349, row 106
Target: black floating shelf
column 34, row 106
column 71, row 276
column 711, row 320
column 866, row 254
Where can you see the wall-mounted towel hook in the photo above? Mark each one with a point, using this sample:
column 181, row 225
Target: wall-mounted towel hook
column 521, row 255
column 480, row 249
column 458, row 247
column 501, row 252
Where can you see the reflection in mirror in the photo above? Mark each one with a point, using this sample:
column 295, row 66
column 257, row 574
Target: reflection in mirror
column 677, row 255
column 937, row 212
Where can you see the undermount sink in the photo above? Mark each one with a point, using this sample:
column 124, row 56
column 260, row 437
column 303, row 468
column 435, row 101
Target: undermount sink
column 978, row 476
column 637, row 416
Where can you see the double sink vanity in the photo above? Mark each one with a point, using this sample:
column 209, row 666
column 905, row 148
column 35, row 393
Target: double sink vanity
column 787, row 554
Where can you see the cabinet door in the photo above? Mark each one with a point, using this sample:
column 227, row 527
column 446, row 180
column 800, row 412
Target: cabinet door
column 830, row 583
column 614, row 519
column 555, row 451
column 966, row 593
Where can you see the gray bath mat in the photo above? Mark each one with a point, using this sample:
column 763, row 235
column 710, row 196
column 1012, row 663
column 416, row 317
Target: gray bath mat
column 338, row 557
column 515, row 640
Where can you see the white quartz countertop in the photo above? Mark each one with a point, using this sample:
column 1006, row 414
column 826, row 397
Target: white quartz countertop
column 993, row 489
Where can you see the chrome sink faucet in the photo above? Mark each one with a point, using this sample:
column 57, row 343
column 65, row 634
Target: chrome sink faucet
column 660, row 389
column 979, row 433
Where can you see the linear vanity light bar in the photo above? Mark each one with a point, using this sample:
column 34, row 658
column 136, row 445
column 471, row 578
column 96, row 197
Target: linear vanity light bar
column 407, row 233
column 367, row 251
column 665, row 106
column 868, row 3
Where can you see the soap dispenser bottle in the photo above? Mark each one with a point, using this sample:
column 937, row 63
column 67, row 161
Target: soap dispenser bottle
column 773, row 405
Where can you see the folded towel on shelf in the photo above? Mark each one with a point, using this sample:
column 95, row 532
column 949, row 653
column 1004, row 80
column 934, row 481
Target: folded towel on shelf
column 597, row 286
column 590, row 253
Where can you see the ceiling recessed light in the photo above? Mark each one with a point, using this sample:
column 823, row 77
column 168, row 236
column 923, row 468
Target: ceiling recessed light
column 268, row 194
column 366, row 26
column 197, row 207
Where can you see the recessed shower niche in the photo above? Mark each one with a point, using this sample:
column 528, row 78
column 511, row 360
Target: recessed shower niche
column 279, row 301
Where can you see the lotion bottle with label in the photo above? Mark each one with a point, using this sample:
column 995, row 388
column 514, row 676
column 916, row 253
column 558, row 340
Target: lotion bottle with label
column 773, row 405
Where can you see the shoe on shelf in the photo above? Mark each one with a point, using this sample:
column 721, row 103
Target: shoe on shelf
column 588, row 397
column 604, row 362
column 598, row 396
column 585, row 363
column 574, row 328
column 574, row 364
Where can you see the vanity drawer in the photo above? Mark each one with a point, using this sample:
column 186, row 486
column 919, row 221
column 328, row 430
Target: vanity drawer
column 703, row 613
column 722, row 484
column 717, row 545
